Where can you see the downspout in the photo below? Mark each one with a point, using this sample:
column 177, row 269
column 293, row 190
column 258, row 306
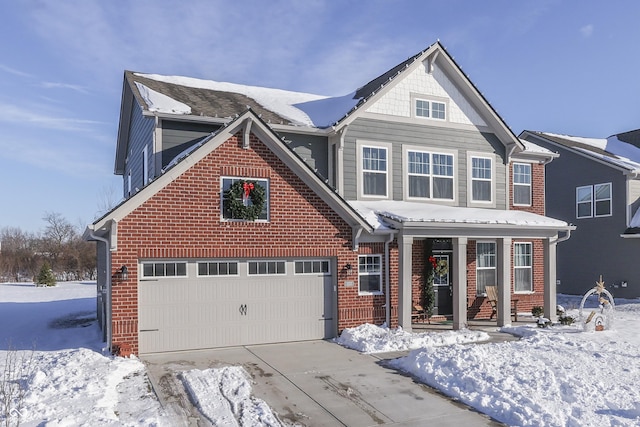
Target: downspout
column 108, row 290
column 565, row 237
column 387, row 301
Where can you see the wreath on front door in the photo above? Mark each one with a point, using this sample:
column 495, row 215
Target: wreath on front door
column 245, row 199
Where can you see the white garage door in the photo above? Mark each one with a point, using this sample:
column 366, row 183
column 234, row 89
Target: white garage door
column 185, row 305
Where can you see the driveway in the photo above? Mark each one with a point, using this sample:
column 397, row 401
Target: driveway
column 315, row 383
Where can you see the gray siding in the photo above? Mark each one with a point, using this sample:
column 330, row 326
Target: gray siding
column 313, row 149
column 140, row 135
column 399, row 134
column 595, row 247
column 178, row 136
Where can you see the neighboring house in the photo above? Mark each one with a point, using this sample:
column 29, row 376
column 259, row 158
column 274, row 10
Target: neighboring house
column 345, row 200
column 595, row 184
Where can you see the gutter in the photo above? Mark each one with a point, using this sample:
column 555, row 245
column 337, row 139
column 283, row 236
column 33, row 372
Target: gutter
column 107, row 292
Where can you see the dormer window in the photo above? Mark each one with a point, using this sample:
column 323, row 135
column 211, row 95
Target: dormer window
column 431, row 109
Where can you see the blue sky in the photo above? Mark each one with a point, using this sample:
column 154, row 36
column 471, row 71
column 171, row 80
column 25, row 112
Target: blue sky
column 558, row 66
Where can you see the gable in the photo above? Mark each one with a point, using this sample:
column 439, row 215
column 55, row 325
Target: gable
column 431, row 84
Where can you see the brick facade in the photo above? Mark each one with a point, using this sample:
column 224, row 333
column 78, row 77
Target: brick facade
column 183, row 220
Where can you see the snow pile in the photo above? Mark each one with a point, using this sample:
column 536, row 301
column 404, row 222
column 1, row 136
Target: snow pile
column 51, row 343
column 223, row 395
column 369, row 338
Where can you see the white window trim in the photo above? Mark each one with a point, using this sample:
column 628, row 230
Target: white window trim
column 360, row 171
column 431, row 151
column 200, row 261
column 267, row 274
column 430, row 99
column 514, row 184
column 327, row 273
column 470, row 179
column 529, row 267
column 380, row 292
column 145, row 165
column 143, row 277
column 495, row 267
column 592, row 214
column 267, row 198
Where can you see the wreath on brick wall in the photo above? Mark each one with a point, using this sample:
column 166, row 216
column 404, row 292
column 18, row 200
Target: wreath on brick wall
column 240, row 194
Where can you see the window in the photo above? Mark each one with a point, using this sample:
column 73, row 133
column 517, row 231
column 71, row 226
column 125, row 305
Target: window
column 164, row 269
column 374, row 171
column 227, row 182
column 145, row 166
column 485, row 265
column 481, row 185
column 370, row 274
column 522, row 264
column 430, row 175
column 522, row 184
column 430, row 109
column 218, row 268
column 593, row 200
column 264, row 268
column 312, row 267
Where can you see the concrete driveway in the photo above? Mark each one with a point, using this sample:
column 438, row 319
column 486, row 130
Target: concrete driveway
column 315, row 383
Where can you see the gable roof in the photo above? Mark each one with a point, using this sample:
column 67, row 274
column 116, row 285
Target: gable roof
column 249, row 120
column 211, row 100
column 621, row 151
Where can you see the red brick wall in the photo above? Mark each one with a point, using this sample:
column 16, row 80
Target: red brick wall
column 183, row 221
column 537, row 190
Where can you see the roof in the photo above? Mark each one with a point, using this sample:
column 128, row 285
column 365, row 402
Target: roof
column 387, row 213
column 621, row 151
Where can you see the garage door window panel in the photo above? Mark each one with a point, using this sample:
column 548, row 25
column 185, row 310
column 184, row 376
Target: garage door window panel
column 164, row 269
column 267, row 268
column 218, row 268
column 312, row 267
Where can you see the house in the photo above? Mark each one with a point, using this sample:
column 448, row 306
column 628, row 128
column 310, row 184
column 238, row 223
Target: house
column 595, row 185
column 255, row 215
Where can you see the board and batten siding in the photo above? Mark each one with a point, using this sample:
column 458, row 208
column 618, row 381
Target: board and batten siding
column 398, row 135
column 140, row 135
column 313, row 149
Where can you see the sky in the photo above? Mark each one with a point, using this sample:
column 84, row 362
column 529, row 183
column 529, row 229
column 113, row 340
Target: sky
column 567, row 67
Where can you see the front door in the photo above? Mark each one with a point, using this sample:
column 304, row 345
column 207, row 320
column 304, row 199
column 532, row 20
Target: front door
column 442, row 288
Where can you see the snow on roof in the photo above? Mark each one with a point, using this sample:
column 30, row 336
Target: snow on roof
column 431, row 213
column 301, row 108
column 530, row 147
column 161, row 103
column 600, row 143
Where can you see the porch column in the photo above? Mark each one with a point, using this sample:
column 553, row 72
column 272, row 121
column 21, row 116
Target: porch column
column 550, row 301
column 405, row 244
column 504, row 281
column 459, row 283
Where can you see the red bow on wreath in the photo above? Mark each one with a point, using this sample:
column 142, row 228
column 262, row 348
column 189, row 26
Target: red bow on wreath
column 433, row 262
column 247, row 186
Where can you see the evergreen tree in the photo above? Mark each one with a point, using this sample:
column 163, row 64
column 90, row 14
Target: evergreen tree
column 45, row 276
column 428, row 294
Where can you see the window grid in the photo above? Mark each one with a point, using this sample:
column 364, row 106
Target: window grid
column 522, row 184
column 374, row 171
column 312, row 267
column 523, row 267
column 485, row 266
column 370, row 274
column 430, row 175
column 164, row 269
column 481, row 179
column 430, row 109
column 593, row 201
column 267, row 268
column 218, row 268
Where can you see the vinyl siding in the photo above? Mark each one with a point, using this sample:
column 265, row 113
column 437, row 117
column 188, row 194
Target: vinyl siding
column 312, row 149
column 178, row 136
column 451, row 139
column 140, row 134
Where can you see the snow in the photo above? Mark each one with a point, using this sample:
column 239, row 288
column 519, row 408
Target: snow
column 556, row 376
column 600, row 143
column 530, row 147
column 428, row 212
column 161, row 103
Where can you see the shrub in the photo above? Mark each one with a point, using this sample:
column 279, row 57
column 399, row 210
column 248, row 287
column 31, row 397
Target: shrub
column 566, row 320
column 537, row 311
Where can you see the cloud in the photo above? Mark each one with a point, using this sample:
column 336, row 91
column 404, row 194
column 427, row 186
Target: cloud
column 26, row 117
column 587, row 30
column 15, row 72
column 53, row 85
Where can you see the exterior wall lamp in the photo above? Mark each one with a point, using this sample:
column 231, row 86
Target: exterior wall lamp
column 121, row 275
column 348, row 267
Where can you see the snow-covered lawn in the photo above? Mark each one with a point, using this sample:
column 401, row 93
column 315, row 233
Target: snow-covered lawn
column 560, row 376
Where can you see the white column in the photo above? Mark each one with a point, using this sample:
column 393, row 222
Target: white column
column 504, row 281
column 405, row 246
column 550, row 300
column 459, row 275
